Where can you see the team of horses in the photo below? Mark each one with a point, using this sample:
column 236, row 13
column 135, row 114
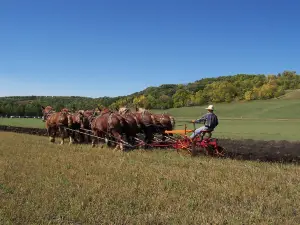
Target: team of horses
column 114, row 127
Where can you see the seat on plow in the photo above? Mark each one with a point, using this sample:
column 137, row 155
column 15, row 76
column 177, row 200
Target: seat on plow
column 204, row 132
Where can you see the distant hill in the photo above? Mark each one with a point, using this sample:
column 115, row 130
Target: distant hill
column 240, row 87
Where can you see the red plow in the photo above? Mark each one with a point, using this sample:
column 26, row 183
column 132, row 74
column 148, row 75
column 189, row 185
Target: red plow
column 182, row 143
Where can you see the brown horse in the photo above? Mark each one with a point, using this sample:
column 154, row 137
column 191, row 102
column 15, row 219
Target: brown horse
column 57, row 121
column 162, row 122
column 165, row 121
column 131, row 125
column 107, row 125
column 145, row 121
column 86, row 117
column 77, row 126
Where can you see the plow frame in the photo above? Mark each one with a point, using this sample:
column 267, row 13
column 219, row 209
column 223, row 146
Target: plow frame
column 199, row 144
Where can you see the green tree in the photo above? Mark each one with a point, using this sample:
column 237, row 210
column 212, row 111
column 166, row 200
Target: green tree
column 220, row 91
column 181, row 98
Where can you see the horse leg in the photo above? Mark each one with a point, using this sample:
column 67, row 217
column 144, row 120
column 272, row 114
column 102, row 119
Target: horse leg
column 149, row 135
column 94, row 137
column 102, row 139
column 51, row 138
column 71, row 135
column 87, row 137
column 81, row 137
column 62, row 134
column 118, row 137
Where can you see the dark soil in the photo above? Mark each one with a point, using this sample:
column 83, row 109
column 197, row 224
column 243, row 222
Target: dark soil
column 247, row 149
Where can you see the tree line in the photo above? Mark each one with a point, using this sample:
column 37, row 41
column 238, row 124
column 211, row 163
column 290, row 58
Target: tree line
column 207, row 90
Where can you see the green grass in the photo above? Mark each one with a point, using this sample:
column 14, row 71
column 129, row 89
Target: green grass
column 276, row 119
column 21, row 122
column 44, row 183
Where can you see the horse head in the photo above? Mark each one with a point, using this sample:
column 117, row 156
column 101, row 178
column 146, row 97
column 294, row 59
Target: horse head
column 46, row 112
column 86, row 116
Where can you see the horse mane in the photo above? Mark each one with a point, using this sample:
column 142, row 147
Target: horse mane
column 105, row 110
column 124, row 110
column 142, row 110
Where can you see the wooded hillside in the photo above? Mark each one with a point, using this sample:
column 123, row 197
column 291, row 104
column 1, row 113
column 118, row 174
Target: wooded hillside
column 208, row 90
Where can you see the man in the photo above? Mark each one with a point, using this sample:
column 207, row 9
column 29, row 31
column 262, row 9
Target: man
column 210, row 121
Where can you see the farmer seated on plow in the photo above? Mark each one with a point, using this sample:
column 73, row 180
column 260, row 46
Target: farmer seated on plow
column 210, row 121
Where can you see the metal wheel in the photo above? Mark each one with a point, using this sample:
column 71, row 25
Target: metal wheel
column 220, row 151
column 183, row 147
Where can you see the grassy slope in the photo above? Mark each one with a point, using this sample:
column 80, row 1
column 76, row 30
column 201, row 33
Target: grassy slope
column 42, row 183
column 255, row 120
column 275, row 109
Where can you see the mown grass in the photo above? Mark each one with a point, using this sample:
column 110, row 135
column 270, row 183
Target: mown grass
column 43, row 183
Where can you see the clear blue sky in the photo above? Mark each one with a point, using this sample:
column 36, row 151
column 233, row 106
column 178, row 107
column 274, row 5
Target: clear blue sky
column 110, row 48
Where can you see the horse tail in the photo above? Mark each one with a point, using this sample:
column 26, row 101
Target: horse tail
column 172, row 122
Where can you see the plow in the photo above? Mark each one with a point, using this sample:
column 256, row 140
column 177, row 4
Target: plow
column 179, row 140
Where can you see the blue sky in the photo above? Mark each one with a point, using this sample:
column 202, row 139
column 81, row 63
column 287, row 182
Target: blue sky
column 116, row 47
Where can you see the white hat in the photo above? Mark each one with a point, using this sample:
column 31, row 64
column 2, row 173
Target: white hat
column 210, row 107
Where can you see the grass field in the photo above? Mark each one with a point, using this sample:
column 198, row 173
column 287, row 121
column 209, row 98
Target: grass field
column 267, row 120
column 43, row 183
column 21, row 122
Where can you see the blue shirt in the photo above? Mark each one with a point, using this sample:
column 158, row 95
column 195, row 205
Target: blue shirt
column 210, row 120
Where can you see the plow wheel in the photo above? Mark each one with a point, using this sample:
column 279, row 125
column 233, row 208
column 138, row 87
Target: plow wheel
column 190, row 149
column 183, row 147
column 208, row 150
column 220, row 152
column 214, row 151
